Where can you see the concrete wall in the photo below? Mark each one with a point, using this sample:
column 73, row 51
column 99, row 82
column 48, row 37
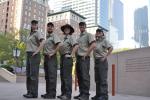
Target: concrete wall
column 132, row 72
column 6, row 76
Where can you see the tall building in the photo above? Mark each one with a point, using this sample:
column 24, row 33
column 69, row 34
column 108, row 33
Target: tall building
column 116, row 22
column 118, row 18
column 141, row 26
column 149, row 18
column 17, row 14
column 95, row 11
column 102, row 13
column 66, row 17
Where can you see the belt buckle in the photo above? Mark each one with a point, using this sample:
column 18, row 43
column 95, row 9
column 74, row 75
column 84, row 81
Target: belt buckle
column 68, row 56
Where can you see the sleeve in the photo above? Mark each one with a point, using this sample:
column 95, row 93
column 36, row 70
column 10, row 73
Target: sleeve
column 91, row 38
column 73, row 41
column 108, row 44
column 56, row 39
column 40, row 36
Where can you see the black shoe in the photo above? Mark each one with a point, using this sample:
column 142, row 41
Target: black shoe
column 29, row 96
column 94, row 98
column 77, row 97
column 84, row 97
column 64, row 97
column 43, row 95
column 47, row 96
column 59, row 96
column 102, row 98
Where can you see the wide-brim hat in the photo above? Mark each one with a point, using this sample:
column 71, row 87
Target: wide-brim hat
column 68, row 26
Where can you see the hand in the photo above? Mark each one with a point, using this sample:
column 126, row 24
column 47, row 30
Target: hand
column 73, row 57
column 104, row 58
column 34, row 54
column 51, row 54
column 85, row 56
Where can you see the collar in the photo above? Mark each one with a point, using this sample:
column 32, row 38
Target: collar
column 101, row 38
column 83, row 33
column 66, row 37
column 33, row 32
column 49, row 35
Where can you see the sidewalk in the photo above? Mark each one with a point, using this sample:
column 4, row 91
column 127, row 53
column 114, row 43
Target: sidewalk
column 9, row 91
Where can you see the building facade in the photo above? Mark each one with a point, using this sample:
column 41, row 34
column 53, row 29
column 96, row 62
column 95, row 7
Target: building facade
column 141, row 26
column 17, row 14
column 95, row 11
column 118, row 18
column 66, row 17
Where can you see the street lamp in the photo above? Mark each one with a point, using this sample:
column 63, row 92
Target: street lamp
column 16, row 54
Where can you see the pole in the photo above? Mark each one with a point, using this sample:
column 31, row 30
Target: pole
column 113, row 79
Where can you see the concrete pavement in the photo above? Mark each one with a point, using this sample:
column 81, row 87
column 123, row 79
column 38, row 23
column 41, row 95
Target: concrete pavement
column 14, row 91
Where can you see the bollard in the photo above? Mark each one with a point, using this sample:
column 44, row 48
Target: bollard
column 113, row 79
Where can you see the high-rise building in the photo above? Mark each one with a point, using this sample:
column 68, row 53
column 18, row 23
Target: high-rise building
column 103, row 13
column 141, row 26
column 17, row 14
column 66, row 17
column 149, row 19
column 118, row 18
column 95, row 11
column 116, row 22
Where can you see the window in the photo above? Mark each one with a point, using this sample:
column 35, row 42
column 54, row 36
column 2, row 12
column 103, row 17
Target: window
column 29, row 14
column 12, row 7
column 42, row 20
column 25, row 12
column 10, row 19
column 34, row 16
column 29, row 2
column 30, row 8
column 3, row 10
column 34, row 10
column 24, row 25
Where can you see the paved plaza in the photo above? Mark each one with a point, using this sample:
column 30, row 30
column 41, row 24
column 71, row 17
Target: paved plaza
column 14, row 91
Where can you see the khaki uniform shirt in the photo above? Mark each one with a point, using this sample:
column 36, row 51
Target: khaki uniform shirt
column 33, row 41
column 67, row 44
column 84, row 42
column 102, row 46
column 50, row 43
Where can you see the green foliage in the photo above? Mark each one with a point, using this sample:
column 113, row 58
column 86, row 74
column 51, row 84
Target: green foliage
column 8, row 42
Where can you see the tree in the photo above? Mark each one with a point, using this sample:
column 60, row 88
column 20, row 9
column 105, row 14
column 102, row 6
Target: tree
column 8, row 42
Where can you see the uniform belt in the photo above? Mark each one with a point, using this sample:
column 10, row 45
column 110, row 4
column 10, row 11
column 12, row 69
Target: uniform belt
column 82, row 56
column 29, row 52
column 48, row 55
column 98, row 57
column 67, row 55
